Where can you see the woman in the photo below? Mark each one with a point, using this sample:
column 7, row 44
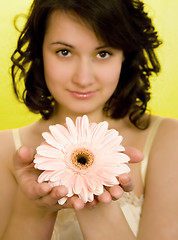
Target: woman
column 93, row 58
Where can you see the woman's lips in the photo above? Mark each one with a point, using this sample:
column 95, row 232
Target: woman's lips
column 82, row 95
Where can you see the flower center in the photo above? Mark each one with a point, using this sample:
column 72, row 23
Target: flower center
column 82, row 158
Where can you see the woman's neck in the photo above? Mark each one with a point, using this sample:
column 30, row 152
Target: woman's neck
column 59, row 116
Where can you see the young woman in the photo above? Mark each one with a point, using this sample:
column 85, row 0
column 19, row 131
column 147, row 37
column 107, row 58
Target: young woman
column 95, row 57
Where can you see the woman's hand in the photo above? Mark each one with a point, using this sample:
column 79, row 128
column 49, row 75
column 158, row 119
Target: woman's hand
column 47, row 197
column 41, row 193
column 126, row 181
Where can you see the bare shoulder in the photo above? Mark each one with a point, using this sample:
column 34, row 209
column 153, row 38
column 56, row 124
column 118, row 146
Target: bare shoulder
column 7, row 151
column 161, row 192
column 7, row 147
column 8, row 183
column 169, row 124
column 164, row 151
column 166, row 136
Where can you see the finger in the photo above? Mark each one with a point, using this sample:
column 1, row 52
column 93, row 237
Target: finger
column 75, row 202
column 105, row 197
column 92, row 204
column 134, row 154
column 34, row 190
column 52, row 197
column 23, row 157
column 116, row 192
column 127, row 182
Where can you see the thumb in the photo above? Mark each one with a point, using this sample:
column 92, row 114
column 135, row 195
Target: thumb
column 23, row 157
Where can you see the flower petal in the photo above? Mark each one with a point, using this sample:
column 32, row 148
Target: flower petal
column 90, row 196
column 92, row 126
column 44, row 176
column 84, row 194
column 91, row 182
column 113, row 159
column 123, row 168
column 82, row 125
column 41, row 159
column 50, row 165
column 99, row 189
column 57, row 175
column 54, row 184
column 107, row 163
column 70, row 191
column 78, row 184
column 62, row 201
column 108, row 180
column 72, row 130
column 49, row 151
column 113, row 143
column 60, row 133
column 51, row 140
column 98, row 132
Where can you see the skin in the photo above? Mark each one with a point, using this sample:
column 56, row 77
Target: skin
column 74, row 69
column 82, row 65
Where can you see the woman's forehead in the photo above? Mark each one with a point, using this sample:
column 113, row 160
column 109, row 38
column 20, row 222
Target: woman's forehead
column 62, row 15
column 67, row 23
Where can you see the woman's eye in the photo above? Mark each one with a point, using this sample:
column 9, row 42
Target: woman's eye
column 103, row 55
column 64, row 53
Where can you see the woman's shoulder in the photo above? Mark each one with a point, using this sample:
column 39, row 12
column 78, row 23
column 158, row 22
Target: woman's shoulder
column 167, row 128
column 7, row 148
column 164, row 150
column 166, row 134
column 6, row 140
column 10, row 141
column 161, row 192
column 170, row 122
column 161, row 133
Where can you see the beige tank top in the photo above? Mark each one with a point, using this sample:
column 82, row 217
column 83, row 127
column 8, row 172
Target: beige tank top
column 67, row 226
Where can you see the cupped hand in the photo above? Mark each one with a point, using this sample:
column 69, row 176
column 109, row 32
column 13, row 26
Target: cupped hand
column 47, row 197
column 42, row 194
column 126, row 181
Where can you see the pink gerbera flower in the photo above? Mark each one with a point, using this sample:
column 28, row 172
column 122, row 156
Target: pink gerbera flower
column 83, row 157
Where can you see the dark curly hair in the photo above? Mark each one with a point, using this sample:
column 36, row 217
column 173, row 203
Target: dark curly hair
column 121, row 24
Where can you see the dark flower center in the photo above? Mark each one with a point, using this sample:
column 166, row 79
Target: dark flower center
column 82, row 158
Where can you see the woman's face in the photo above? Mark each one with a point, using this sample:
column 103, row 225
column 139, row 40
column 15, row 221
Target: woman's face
column 80, row 71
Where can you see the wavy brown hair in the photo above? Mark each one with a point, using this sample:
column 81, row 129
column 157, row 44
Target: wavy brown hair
column 121, row 24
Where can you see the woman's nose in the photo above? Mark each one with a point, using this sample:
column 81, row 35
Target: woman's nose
column 83, row 74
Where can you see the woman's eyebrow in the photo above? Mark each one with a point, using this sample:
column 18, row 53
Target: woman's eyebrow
column 101, row 47
column 62, row 43
column 70, row 46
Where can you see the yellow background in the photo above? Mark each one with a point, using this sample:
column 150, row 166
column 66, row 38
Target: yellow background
column 164, row 87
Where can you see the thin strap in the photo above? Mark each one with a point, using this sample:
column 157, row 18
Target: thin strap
column 148, row 144
column 16, row 137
